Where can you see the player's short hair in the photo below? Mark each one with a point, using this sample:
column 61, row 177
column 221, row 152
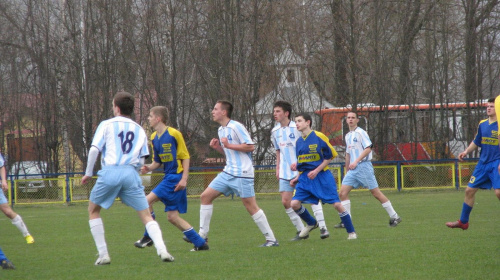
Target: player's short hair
column 125, row 101
column 306, row 117
column 226, row 106
column 491, row 100
column 160, row 111
column 287, row 107
column 354, row 112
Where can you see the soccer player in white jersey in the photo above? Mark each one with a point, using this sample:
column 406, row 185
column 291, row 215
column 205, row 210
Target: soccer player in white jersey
column 124, row 145
column 7, row 210
column 284, row 137
column 360, row 171
column 238, row 174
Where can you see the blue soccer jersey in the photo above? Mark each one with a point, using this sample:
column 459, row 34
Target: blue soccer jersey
column 169, row 149
column 238, row 164
column 121, row 142
column 312, row 150
column 356, row 142
column 284, row 140
column 487, row 139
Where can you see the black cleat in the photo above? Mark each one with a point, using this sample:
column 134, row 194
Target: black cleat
column 144, row 242
column 6, row 264
column 203, row 247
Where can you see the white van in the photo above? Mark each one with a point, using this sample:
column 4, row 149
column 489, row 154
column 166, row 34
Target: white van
column 31, row 171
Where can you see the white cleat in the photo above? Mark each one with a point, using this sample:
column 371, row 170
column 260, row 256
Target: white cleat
column 306, row 230
column 166, row 257
column 352, row 236
column 103, row 260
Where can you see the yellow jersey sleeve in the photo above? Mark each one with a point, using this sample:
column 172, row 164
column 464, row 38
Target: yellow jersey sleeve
column 327, row 141
column 497, row 106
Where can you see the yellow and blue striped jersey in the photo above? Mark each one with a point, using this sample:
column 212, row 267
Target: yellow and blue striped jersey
column 487, row 139
column 312, row 150
column 169, row 148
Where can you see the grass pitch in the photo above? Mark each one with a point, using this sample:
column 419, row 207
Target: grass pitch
column 421, row 247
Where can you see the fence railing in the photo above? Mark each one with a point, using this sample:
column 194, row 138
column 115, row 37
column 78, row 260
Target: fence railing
column 407, row 175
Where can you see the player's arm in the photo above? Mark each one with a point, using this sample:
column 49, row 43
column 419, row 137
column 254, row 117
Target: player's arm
column 278, row 164
column 89, row 171
column 3, row 173
column 185, row 174
column 215, row 144
column 245, row 148
column 150, row 167
column 472, row 147
column 363, row 154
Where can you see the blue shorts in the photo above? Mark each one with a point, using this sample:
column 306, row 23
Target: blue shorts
column 285, row 186
column 323, row 188
column 485, row 176
column 119, row 181
column 228, row 184
column 361, row 176
column 174, row 201
column 3, row 198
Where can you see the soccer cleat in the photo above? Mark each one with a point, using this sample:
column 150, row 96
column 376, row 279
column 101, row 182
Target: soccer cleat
column 143, row 242
column 395, row 221
column 204, row 247
column 324, row 233
column 298, row 238
column 103, row 260
column 352, row 236
column 458, row 224
column 29, row 239
column 166, row 257
column 307, row 229
column 339, row 225
column 270, row 244
column 6, row 264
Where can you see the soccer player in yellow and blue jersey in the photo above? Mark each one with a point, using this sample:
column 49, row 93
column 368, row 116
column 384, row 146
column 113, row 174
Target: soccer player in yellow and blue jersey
column 315, row 182
column 486, row 174
column 169, row 150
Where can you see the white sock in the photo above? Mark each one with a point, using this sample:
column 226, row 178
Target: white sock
column 261, row 220
column 205, row 216
column 18, row 222
column 390, row 210
column 296, row 221
column 318, row 213
column 347, row 206
column 97, row 230
column 154, row 232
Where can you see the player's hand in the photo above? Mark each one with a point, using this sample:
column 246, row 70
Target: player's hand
column 462, row 155
column 85, row 179
column 293, row 167
column 312, row 174
column 224, row 141
column 5, row 186
column 353, row 166
column 294, row 182
column 181, row 185
column 214, row 143
column 145, row 169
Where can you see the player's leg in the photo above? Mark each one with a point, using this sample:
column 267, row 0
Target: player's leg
column 345, row 217
column 6, row 264
column 97, row 230
column 497, row 192
column 154, row 232
column 320, row 217
column 146, row 240
column 192, row 236
column 344, row 200
column 260, row 219
column 463, row 222
column 394, row 218
column 207, row 209
column 17, row 221
column 286, row 192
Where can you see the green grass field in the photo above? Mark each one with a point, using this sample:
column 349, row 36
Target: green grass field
column 421, row 247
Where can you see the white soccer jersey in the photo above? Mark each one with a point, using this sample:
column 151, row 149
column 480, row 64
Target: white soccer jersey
column 121, row 142
column 2, row 161
column 284, row 139
column 238, row 164
column 356, row 141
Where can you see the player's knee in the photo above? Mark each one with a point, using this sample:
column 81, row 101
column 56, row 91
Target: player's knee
column 295, row 205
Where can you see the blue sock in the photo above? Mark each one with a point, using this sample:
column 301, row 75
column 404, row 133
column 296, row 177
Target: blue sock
column 194, row 237
column 466, row 209
column 146, row 234
column 346, row 220
column 304, row 215
column 2, row 255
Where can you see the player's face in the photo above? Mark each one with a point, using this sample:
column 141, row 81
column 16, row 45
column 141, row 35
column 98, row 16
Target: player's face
column 217, row 113
column 352, row 120
column 301, row 123
column 153, row 120
column 490, row 109
column 279, row 114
